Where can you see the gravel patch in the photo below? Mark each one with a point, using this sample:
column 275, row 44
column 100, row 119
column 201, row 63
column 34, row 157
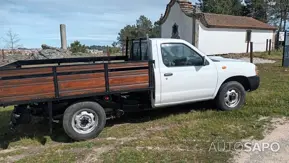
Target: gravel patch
column 257, row 60
column 277, row 153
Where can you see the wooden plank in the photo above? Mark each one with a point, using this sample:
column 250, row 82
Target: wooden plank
column 128, row 80
column 127, row 73
column 27, row 81
column 26, row 90
column 79, row 68
column 127, row 65
column 21, row 72
column 80, row 76
column 82, row 91
column 27, row 98
column 82, row 84
column 129, row 87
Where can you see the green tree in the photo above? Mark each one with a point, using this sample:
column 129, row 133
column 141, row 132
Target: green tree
column 156, row 31
column 114, row 44
column 278, row 13
column 142, row 27
column 257, row 9
column 77, row 47
column 128, row 31
column 229, row 7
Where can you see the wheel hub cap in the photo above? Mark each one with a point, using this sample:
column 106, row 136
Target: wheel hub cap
column 84, row 122
column 232, row 98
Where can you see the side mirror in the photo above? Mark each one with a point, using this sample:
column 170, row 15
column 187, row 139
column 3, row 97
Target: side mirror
column 204, row 61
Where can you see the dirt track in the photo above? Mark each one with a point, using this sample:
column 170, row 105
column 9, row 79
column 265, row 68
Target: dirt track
column 280, row 136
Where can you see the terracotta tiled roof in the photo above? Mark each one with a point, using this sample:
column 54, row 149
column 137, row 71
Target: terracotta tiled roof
column 217, row 20
column 230, row 21
column 186, row 6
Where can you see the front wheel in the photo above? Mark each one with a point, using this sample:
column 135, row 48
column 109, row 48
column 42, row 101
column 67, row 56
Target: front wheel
column 84, row 120
column 231, row 96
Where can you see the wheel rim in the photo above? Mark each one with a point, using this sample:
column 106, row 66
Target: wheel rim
column 84, row 121
column 232, row 98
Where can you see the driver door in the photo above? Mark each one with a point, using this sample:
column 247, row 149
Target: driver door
column 184, row 78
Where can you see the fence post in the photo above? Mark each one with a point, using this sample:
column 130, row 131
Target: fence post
column 270, row 42
column 277, row 40
column 267, row 44
column 251, row 52
column 248, row 46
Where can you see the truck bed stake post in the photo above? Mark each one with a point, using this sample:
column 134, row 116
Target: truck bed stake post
column 50, row 116
column 55, row 81
column 126, row 48
column 106, row 77
column 140, row 50
column 132, row 49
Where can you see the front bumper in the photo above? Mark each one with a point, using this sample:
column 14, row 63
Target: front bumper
column 254, row 82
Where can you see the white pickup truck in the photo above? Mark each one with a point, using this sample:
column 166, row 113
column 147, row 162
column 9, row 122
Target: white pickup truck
column 185, row 74
column 157, row 73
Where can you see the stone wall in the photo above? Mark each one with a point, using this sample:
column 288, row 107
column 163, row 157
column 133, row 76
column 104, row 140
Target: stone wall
column 47, row 52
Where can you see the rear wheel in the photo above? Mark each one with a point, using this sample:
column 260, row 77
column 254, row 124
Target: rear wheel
column 231, row 96
column 84, row 120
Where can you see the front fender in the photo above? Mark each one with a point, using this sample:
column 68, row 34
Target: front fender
column 227, row 70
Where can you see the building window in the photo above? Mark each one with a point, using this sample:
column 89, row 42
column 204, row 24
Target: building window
column 175, row 31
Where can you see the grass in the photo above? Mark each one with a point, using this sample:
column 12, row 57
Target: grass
column 179, row 134
column 274, row 55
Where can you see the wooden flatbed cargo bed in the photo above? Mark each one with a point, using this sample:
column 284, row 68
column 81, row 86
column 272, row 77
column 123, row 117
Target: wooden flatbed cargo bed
column 50, row 83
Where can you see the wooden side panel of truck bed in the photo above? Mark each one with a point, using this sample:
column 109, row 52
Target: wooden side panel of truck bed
column 40, row 84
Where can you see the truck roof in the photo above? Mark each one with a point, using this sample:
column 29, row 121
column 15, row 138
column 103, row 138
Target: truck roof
column 162, row 39
column 166, row 39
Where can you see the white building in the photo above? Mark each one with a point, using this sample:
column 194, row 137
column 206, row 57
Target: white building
column 214, row 33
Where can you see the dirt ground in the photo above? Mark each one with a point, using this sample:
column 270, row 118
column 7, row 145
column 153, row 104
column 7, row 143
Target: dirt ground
column 278, row 138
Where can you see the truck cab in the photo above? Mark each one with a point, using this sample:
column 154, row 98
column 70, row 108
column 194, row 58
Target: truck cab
column 184, row 74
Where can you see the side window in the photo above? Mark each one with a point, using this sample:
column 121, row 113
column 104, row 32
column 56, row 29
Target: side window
column 176, row 54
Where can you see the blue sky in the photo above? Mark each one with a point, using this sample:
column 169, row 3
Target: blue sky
column 93, row 22
column 90, row 21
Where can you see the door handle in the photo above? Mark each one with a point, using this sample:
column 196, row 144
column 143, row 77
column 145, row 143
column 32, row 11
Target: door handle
column 168, row 74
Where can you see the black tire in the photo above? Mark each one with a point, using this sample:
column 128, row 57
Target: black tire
column 92, row 107
column 229, row 86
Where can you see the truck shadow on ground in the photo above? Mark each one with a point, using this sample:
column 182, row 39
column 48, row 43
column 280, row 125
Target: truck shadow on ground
column 38, row 131
column 149, row 115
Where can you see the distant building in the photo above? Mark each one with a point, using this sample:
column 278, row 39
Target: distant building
column 95, row 51
column 214, row 33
